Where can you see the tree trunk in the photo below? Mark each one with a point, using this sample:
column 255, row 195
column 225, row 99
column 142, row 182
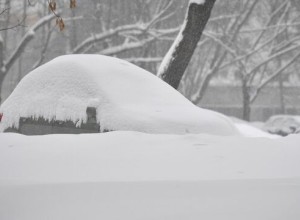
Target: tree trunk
column 20, row 64
column 7, row 5
column 73, row 31
column 246, row 102
column 1, row 64
column 178, row 57
column 1, row 82
column 281, row 95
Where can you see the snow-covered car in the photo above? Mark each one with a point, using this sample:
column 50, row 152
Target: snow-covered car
column 283, row 124
column 94, row 93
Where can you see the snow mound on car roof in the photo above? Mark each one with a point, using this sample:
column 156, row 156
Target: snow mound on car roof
column 126, row 98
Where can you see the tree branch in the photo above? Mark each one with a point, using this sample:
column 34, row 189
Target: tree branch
column 125, row 47
column 44, row 50
column 100, row 37
column 274, row 75
column 25, row 40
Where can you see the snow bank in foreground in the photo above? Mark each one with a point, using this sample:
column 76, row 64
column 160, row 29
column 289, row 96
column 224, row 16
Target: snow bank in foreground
column 134, row 156
column 131, row 175
column 126, row 98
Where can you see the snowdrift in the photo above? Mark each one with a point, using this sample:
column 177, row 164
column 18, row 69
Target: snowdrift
column 125, row 96
column 132, row 175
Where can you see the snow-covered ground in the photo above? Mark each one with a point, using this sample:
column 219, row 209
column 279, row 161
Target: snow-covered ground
column 132, row 175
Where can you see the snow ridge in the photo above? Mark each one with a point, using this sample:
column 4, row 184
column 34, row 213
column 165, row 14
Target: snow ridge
column 199, row 2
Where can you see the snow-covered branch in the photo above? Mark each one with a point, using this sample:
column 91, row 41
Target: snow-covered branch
column 108, row 34
column 144, row 59
column 274, row 75
column 44, row 50
column 268, row 23
column 125, row 47
column 25, row 40
column 161, row 15
column 133, row 36
column 264, row 62
column 125, row 31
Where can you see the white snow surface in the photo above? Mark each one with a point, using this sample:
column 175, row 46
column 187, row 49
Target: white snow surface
column 132, row 175
column 126, row 98
column 199, row 2
column 248, row 130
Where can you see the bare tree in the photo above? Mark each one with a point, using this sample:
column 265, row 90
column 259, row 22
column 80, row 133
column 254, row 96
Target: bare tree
column 8, row 60
column 105, row 33
column 257, row 45
column 127, row 37
column 5, row 12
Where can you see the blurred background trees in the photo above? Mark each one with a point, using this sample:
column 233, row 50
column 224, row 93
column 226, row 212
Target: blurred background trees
column 246, row 63
column 251, row 44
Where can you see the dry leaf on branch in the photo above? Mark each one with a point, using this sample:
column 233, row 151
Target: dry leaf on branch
column 72, row 3
column 60, row 23
column 52, row 5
